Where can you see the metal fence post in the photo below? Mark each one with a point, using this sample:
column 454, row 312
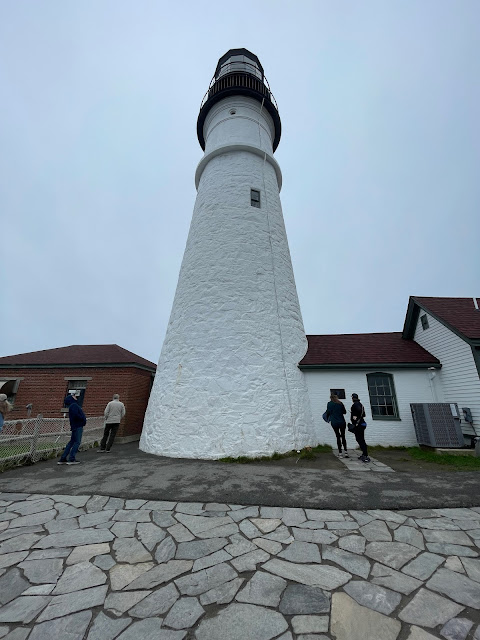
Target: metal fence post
column 36, row 432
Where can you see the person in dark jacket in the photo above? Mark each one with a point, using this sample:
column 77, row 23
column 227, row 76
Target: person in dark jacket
column 77, row 422
column 357, row 418
column 336, row 411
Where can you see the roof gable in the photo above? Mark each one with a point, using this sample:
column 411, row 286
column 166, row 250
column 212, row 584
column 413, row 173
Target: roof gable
column 88, row 354
column 458, row 314
column 366, row 349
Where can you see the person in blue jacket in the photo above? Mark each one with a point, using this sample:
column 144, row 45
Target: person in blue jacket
column 335, row 413
column 77, row 422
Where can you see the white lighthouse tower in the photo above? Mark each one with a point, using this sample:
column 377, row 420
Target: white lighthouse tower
column 227, row 382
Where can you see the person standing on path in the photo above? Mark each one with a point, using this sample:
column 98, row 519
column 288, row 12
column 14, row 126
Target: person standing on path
column 335, row 412
column 77, row 422
column 114, row 412
column 357, row 418
column 5, row 407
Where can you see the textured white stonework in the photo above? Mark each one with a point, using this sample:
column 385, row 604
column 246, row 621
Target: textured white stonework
column 227, row 382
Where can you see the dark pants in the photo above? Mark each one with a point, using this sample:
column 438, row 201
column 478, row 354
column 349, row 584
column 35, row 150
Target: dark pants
column 340, row 433
column 73, row 444
column 109, row 434
column 360, row 438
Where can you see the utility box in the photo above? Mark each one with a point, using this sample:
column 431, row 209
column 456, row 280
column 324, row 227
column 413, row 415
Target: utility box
column 437, row 424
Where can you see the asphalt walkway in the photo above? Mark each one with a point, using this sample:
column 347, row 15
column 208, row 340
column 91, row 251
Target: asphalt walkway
column 129, row 473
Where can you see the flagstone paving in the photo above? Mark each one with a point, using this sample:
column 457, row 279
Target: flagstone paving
column 100, row 568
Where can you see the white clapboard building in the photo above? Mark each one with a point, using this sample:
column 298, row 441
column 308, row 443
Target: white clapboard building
column 435, row 359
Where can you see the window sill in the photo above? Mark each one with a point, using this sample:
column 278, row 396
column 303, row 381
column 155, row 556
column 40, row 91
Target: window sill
column 389, row 418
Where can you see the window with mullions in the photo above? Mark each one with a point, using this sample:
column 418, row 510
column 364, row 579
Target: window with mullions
column 255, row 198
column 382, row 396
column 424, row 321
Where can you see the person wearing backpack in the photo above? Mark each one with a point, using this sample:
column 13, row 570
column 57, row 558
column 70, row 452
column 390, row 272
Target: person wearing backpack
column 334, row 414
column 357, row 418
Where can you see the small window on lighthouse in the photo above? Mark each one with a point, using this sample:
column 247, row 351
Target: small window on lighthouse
column 255, row 198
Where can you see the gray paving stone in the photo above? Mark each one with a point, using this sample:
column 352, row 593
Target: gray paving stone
column 451, row 537
column 74, row 501
column 301, row 552
column 451, row 549
column 199, row 548
column 458, row 513
column 266, row 525
column 19, row 543
column 386, row 514
column 104, row 628
column 150, row 534
column 472, row 568
column 373, row 596
column 9, row 559
column 69, row 628
column 114, row 503
column 293, row 516
column 79, row 576
column 454, row 564
column 243, row 621
column 309, row 624
column 441, row 524
column 125, row 515
column 288, row 636
column 92, row 519
column 352, row 562
column 156, row 603
column 120, row 601
column 200, row 524
column 456, row 586
column 392, row 579
column 66, row 511
column 163, row 519
column 249, row 529
column 165, row 550
column 130, row 550
column 245, row 512
column 393, row 554
column 376, row 531
column 42, row 571
column 262, row 589
column 12, row 584
column 323, row 576
column 355, row 544
column 215, row 506
column 428, row 609
column 220, row 532
column 410, row 535
column 190, row 508
column 122, row 575
column 350, row 620
column 39, row 590
column 134, row 504
column 184, row 613
column 72, row 602
column 149, row 629
column 26, row 508
column 249, row 561
column 321, row 536
column 74, row 538
column 423, row 566
column 104, row 562
column 159, row 505
column 456, row 629
column 96, row 503
column 362, row 517
column 270, row 546
column 202, row 581
column 282, row 534
column 34, row 519
column 211, row 560
column 222, row 594
column 87, row 552
column 20, row 633
column 300, row 599
column 163, row 573
column 49, row 553
column 180, row 533
column 23, row 609
column 311, row 524
column 12, row 496
column 58, row 526
column 465, row 525
column 271, row 512
column 327, row 515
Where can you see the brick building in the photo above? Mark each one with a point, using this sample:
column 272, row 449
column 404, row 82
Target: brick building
column 38, row 382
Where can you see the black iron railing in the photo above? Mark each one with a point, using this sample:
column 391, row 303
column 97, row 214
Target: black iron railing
column 239, row 79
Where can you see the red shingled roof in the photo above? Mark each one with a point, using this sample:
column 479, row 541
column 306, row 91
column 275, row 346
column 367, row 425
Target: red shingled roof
column 459, row 313
column 365, row 348
column 78, row 354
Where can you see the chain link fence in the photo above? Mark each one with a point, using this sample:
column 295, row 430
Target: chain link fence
column 33, row 439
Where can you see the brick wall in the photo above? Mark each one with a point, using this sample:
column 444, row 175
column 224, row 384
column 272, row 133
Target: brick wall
column 46, row 390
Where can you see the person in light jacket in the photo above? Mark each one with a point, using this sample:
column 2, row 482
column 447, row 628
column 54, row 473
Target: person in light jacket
column 5, row 407
column 114, row 412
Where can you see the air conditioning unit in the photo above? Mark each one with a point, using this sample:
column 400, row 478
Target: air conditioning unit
column 437, row 424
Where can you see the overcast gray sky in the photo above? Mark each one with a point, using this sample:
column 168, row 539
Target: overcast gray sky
column 380, row 155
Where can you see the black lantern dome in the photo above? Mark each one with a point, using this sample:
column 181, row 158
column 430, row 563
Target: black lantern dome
column 239, row 72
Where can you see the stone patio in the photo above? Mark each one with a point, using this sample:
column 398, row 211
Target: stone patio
column 100, row 568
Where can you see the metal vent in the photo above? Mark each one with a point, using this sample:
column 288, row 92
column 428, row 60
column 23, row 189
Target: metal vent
column 437, row 425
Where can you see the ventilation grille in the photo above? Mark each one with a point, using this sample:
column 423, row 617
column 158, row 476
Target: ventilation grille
column 435, row 425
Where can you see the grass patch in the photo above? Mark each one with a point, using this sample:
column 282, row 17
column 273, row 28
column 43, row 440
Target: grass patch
column 461, row 462
column 308, row 453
